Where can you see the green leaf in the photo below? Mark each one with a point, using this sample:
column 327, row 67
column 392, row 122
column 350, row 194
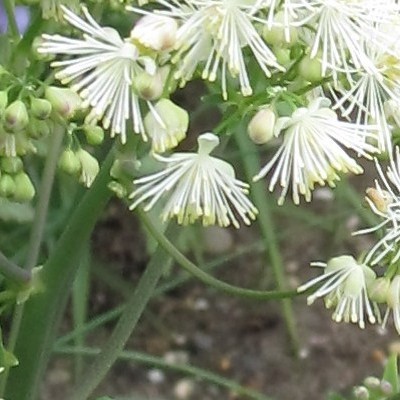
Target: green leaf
column 391, row 373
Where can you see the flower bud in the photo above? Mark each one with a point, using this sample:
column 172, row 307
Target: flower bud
column 386, row 388
column 166, row 124
column 361, row 393
column 279, row 34
column 372, row 382
column 69, row 162
column 11, row 165
column 24, row 189
column 148, row 87
column 64, row 101
column 7, row 185
column 38, row 128
column 3, row 101
column 310, row 69
column 94, row 134
column 90, row 167
column 261, row 126
column 120, row 191
column 155, row 32
column 379, row 289
column 16, row 116
column 40, row 108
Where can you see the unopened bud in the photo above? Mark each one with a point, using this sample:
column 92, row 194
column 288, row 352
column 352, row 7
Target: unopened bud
column 16, row 116
column 148, row 87
column 380, row 198
column 64, row 101
column 155, row 32
column 7, row 185
column 39, row 128
column 261, row 126
column 24, row 189
column 11, row 165
column 386, row 388
column 361, row 393
column 280, row 34
column 166, row 124
column 119, row 190
column 379, row 290
column 310, row 69
column 94, row 134
column 372, row 382
column 90, row 167
column 40, row 108
column 3, row 101
column 69, row 162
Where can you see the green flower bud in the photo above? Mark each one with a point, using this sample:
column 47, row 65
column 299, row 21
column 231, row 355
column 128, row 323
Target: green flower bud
column 39, row 129
column 279, row 35
column 148, row 87
column 64, row 101
column 361, row 393
column 7, row 186
column 40, row 108
column 3, row 101
column 94, row 134
column 24, row 189
column 372, row 382
column 90, row 167
column 166, row 124
column 36, row 44
column 379, row 289
column 282, row 56
column 16, row 117
column 11, row 165
column 261, row 126
column 69, row 162
column 119, row 190
column 310, row 69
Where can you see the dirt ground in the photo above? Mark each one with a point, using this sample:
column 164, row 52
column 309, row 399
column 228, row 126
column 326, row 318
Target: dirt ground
column 238, row 339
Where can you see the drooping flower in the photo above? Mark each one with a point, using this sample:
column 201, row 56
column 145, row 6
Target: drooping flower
column 196, row 186
column 344, row 287
column 384, row 201
column 313, row 150
column 215, row 33
column 101, row 70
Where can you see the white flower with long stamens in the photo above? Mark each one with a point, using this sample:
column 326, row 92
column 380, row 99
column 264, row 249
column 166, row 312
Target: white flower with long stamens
column 370, row 90
column 342, row 28
column 196, row 186
column 214, row 33
column 313, row 150
column 344, row 286
column 385, row 203
column 101, row 70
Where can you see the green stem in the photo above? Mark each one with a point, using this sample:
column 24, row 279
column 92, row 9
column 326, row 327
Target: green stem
column 157, row 362
column 13, row 272
column 9, row 6
column 252, row 166
column 134, row 308
column 36, row 235
column 44, row 310
column 203, row 276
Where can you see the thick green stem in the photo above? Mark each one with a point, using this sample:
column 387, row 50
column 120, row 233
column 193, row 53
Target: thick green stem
column 43, row 311
column 134, row 308
column 12, row 271
column 252, row 166
column 9, row 6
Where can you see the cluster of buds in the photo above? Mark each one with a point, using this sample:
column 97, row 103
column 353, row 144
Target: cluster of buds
column 373, row 388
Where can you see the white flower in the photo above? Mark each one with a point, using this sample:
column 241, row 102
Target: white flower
column 196, row 185
column 385, row 202
column 341, row 29
column 215, row 33
column 370, row 89
column 344, row 286
column 101, row 71
column 312, row 150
